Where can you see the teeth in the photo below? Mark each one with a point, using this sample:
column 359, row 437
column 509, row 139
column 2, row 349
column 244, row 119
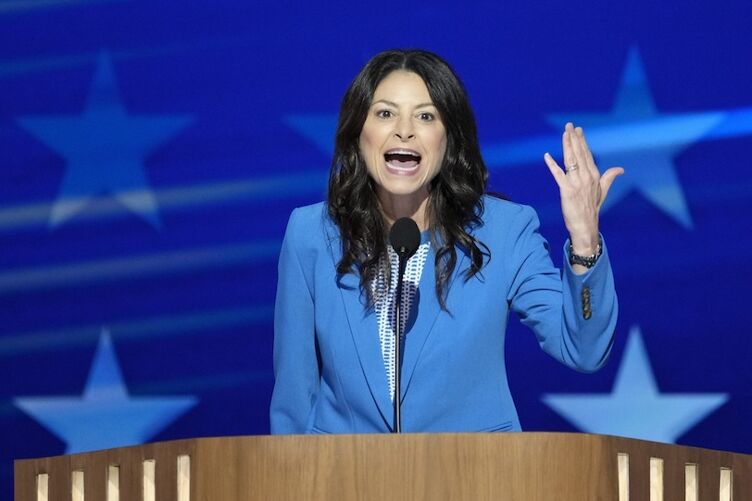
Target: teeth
column 402, row 152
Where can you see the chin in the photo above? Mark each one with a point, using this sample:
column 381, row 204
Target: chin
column 404, row 188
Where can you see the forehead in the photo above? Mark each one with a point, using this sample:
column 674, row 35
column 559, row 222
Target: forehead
column 402, row 86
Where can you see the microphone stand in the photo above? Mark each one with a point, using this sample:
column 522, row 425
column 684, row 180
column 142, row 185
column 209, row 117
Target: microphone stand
column 404, row 237
column 398, row 343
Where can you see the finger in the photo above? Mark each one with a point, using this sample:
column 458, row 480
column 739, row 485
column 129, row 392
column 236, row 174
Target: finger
column 566, row 146
column 556, row 171
column 579, row 154
column 586, row 149
column 573, row 160
column 607, row 180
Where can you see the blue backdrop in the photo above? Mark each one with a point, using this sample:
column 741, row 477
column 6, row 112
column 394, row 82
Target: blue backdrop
column 151, row 152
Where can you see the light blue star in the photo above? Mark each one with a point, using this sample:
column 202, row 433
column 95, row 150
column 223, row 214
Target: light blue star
column 635, row 407
column 104, row 148
column 635, row 135
column 105, row 416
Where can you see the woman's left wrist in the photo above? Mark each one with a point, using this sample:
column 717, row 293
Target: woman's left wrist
column 586, row 258
column 585, row 246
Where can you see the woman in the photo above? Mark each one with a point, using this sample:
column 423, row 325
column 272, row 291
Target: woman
column 406, row 146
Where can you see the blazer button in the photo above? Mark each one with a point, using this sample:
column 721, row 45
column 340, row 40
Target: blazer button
column 586, row 312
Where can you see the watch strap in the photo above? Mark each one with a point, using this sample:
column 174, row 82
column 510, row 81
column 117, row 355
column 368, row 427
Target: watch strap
column 586, row 261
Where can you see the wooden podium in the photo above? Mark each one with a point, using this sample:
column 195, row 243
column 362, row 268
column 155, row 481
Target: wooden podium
column 466, row 466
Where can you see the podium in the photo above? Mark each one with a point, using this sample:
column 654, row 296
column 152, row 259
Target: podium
column 463, row 466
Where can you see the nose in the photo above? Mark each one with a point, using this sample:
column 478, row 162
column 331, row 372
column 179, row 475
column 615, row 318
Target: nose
column 404, row 129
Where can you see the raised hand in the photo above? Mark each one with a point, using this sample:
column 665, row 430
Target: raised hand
column 583, row 189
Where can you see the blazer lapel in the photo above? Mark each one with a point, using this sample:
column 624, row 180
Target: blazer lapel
column 365, row 334
column 426, row 311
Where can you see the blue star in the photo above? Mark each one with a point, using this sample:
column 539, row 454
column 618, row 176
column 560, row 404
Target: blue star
column 104, row 148
column 635, row 407
column 634, row 134
column 105, row 416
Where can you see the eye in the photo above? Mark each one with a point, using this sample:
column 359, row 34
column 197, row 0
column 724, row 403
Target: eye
column 384, row 114
column 426, row 116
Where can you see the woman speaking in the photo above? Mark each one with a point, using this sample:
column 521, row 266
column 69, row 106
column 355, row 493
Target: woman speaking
column 407, row 147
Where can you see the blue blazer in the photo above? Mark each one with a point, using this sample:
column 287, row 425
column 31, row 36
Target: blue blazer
column 328, row 367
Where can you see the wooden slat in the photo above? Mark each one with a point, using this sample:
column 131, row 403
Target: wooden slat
column 656, row 479
column 77, row 485
column 726, row 490
column 623, row 472
column 690, row 482
column 43, row 487
column 184, row 478
column 113, row 482
column 149, row 480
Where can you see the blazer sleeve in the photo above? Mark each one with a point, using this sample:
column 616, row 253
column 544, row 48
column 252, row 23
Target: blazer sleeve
column 296, row 369
column 573, row 316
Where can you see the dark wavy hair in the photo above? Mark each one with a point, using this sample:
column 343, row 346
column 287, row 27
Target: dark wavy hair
column 455, row 203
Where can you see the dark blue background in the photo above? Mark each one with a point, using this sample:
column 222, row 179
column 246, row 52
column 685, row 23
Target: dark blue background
column 196, row 318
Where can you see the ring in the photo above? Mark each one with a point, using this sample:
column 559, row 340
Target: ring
column 572, row 167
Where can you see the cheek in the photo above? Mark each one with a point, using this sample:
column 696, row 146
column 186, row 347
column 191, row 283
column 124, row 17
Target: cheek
column 440, row 148
column 367, row 156
column 366, row 152
column 368, row 143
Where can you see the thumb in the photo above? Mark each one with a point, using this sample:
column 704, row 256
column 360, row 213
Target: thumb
column 607, row 179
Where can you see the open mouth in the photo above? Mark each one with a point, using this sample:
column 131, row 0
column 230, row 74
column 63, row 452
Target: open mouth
column 402, row 160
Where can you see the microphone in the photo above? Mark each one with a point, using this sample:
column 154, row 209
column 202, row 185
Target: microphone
column 405, row 239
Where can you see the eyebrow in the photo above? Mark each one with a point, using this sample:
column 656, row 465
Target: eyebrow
column 392, row 103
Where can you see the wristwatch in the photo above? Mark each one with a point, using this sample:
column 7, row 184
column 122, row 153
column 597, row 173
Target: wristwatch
column 586, row 261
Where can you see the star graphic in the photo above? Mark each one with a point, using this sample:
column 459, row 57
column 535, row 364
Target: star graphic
column 635, row 407
column 635, row 135
column 104, row 148
column 105, row 416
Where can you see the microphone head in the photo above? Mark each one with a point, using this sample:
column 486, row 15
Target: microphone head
column 404, row 237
